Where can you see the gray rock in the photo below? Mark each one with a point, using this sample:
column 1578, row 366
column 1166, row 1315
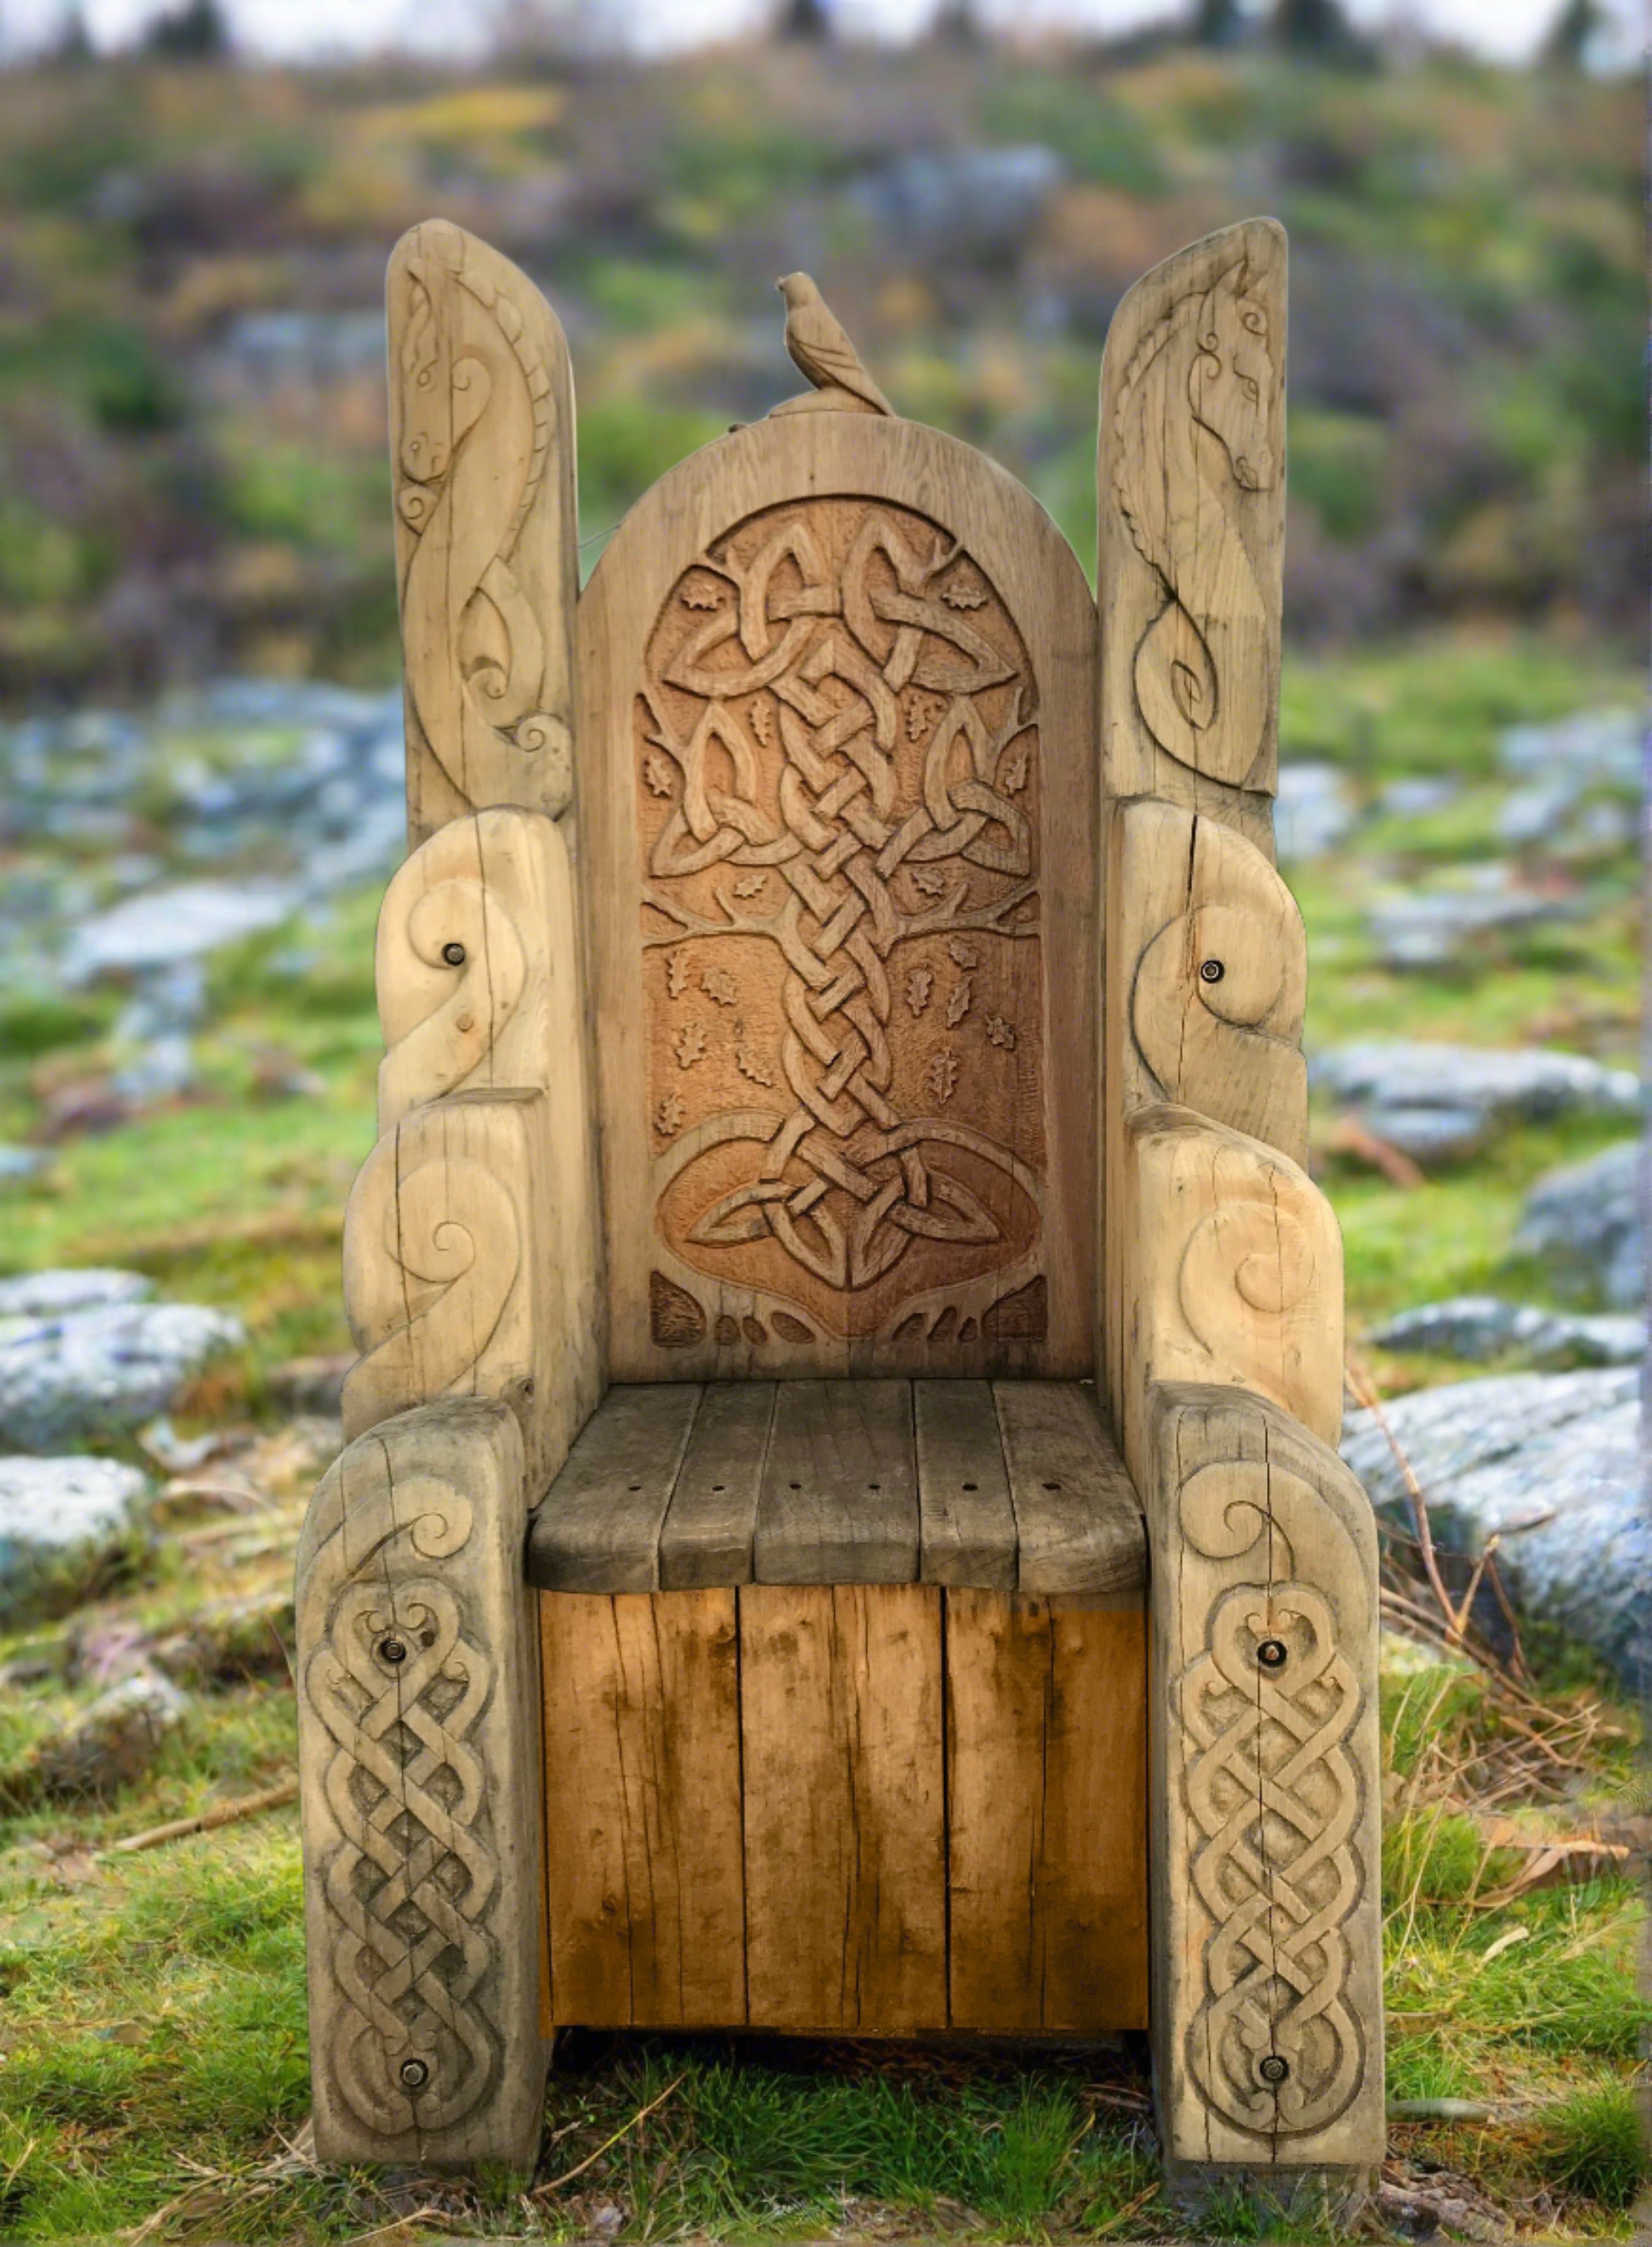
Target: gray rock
column 981, row 203
column 1312, row 812
column 115, row 1741
column 1550, row 1462
column 103, row 1371
column 1595, row 748
column 61, row 1521
column 163, row 1069
column 163, row 926
column 20, row 1165
column 84, row 1287
column 1432, row 928
column 1446, row 1100
column 1415, row 798
column 1481, row 1327
column 1585, row 1222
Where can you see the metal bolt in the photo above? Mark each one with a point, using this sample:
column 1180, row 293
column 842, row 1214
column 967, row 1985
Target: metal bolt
column 1271, row 1653
column 415, row 2073
column 392, row 1650
column 1211, row 971
column 1273, row 2069
column 454, row 954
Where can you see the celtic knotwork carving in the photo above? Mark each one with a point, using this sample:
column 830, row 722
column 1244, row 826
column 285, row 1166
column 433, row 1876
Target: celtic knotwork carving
column 849, row 733
column 1196, row 409
column 400, row 1683
column 1267, row 1708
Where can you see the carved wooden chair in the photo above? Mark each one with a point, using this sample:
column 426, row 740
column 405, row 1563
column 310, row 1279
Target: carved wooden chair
column 841, row 1529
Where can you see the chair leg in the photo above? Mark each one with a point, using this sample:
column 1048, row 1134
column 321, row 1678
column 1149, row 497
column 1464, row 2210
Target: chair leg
column 1265, row 1795
column 421, row 1784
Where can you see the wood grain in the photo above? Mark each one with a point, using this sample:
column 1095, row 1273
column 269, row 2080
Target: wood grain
column 1078, row 1522
column 839, row 1499
column 1191, row 491
column 643, row 1809
column 1047, row 1772
column 845, row 1844
column 598, row 1528
column 708, row 1533
column 1265, row 1775
column 481, row 429
column 749, row 1227
column 419, row 1781
column 967, row 1522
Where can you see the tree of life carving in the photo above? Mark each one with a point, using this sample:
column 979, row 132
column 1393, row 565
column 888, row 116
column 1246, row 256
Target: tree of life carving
column 837, row 776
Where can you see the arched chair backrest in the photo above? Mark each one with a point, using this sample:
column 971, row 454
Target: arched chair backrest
column 838, row 811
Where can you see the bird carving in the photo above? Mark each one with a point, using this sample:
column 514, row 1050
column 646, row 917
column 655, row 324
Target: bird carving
column 820, row 349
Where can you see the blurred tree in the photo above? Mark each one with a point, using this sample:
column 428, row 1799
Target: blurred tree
column 957, row 24
column 1218, row 23
column 1573, row 33
column 803, row 19
column 73, row 43
column 1312, row 27
column 196, row 30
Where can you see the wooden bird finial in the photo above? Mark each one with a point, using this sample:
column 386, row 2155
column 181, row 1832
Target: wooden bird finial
column 820, row 349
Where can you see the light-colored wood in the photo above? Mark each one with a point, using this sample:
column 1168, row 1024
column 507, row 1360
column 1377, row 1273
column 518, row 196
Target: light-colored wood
column 708, row 1532
column 967, row 1524
column 481, row 432
column 643, row 1809
column 1233, row 1272
column 838, row 1503
column 845, row 1843
column 840, row 809
column 598, row 1528
column 1046, row 1824
column 1266, row 1778
column 448, row 1281
column 1191, row 499
column 419, row 1775
column 1078, row 1524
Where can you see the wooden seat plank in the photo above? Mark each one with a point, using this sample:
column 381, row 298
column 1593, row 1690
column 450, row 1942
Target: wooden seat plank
column 706, row 1538
column 839, row 1497
column 1079, row 1527
column 967, row 1522
column 598, row 1529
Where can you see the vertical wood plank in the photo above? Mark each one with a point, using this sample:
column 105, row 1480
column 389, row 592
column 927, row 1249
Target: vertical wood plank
column 1047, row 1777
column 845, row 1850
column 643, row 1808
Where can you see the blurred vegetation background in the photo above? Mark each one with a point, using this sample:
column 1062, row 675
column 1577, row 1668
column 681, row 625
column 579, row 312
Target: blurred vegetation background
column 192, row 246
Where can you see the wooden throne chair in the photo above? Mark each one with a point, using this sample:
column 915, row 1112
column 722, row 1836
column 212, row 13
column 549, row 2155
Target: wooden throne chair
column 841, row 1529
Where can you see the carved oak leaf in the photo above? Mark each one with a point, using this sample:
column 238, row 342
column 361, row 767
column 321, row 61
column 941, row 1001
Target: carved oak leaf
column 941, row 1076
column 1000, row 1032
column 930, row 879
column 720, row 985
column 746, row 1061
column 920, row 983
column 964, row 592
column 702, row 594
column 689, row 1045
column 669, row 1114
column 676, row 974
column 750, row 885
column 762, row 715
column 962, row 954
column 1012, row 779
column 958, row 1000
column 657, row 774
column 923, row 714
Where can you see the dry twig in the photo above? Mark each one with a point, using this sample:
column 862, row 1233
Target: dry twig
column 223, row 1814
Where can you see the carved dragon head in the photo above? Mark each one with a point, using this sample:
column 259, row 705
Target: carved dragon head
column 1231, row 382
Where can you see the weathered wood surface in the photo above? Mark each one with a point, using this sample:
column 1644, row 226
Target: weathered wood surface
column 839, row 810
column 1265, row 1790
column 481, row 435
column 643, row 1809
column 838, row 1503
column 1078, row 1523
column 997, row 1484
column 1190, row 496
column 1233, row 1272
column 966, row 1522
column 845, row 1832
column 1046, row 1784
column 449, row 1284
column 418, row 1770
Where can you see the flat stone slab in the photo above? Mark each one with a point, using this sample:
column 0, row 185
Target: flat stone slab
column 1584, row 1223
column 1549, row 1462
column 1482, row 1326
column 105, row 1370
column 60, row 1521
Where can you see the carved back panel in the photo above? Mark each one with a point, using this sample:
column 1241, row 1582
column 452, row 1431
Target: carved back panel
column 839, row 803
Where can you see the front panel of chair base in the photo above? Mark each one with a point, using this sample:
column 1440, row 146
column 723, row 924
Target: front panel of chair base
column 872, row 1809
